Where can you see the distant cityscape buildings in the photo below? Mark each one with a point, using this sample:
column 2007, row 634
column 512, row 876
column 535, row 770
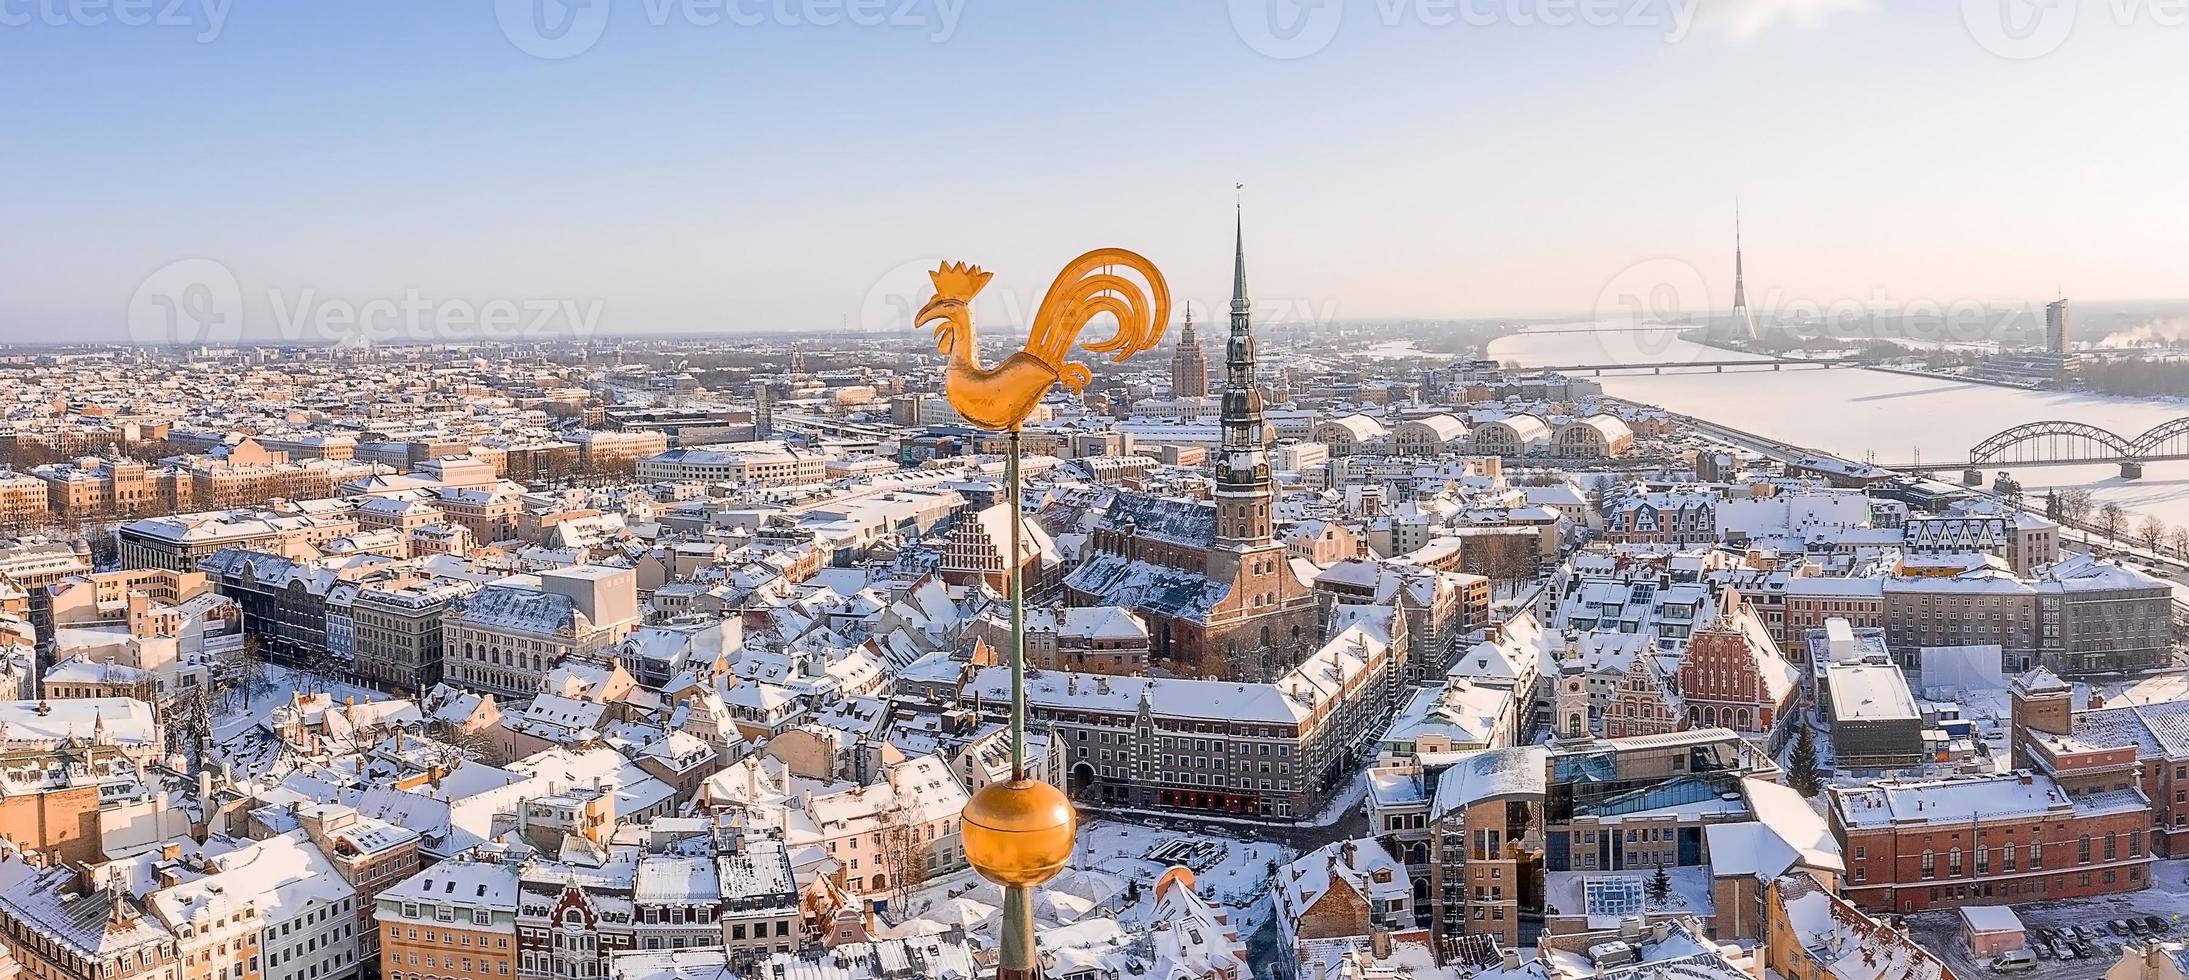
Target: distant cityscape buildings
column 679, row 660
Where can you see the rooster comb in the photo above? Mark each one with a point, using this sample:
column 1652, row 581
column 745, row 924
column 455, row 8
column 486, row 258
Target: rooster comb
column 959, row 281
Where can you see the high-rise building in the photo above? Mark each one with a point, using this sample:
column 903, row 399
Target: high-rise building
column 2056, row 326
column 1189, row 363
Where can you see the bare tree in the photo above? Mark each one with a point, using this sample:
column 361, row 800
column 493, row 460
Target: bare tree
column 2151, row 531
column 461, row 744
column 2111, row 519
column 2177, row 541
column 2075, row 504
column 250, row 679
column 319, row 670
column 903, row 852
column 188, row 718
column 1509, row 563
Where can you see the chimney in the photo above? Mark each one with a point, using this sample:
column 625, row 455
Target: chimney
column 1660, row 932
column 1380, row 941
column 2023, row 776
column 2097, row 700
column 1512, row 959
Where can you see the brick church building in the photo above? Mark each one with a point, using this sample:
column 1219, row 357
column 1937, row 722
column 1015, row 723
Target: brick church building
column 1221, row 596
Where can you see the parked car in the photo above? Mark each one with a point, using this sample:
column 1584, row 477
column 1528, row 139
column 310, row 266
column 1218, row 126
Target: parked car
column 2013, row 961
column 2157, row 924
column 2038, row 946
column 2086, row 949
column 2119, row 927
column 2137, row 928
column 2067, row 951
column 2079, row 932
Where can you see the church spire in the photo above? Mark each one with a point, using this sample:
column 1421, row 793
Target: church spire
column 1244, row 489
column 1239, row 303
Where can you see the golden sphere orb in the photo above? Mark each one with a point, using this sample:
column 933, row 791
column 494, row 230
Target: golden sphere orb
column 1019, row 833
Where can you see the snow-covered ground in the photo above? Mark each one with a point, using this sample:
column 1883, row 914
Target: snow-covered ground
column 282, row 685
column 1116, row 867
column 1346, row 800
column 1227, row 869
column 1940, row 931
column 1394, row 350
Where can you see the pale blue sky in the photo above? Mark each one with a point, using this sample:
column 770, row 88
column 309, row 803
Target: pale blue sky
column 768, row 176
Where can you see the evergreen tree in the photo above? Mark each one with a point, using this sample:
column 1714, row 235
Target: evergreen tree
column 1801, row 767
column 1660, row 886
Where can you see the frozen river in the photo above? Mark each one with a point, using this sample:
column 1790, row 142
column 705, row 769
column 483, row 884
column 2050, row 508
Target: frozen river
column 1859, row 414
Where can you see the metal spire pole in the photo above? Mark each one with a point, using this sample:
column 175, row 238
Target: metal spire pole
column 1017, row 961
column 1013, row 492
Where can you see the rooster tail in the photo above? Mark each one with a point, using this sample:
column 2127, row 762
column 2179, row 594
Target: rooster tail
column 1088, row 288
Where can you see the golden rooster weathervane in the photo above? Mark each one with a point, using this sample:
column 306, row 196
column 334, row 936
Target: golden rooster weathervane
column 1020, row 833
column 1003, row 396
